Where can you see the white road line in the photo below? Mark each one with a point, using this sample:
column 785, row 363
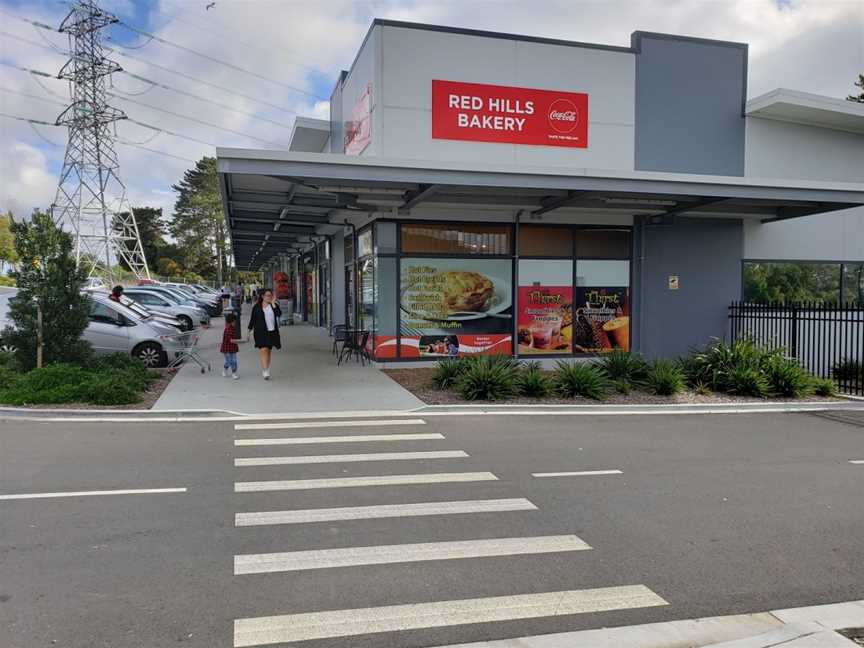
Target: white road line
column 136, row 491
column 371, row 456
column 362, row 438
column 303, row 516
column 326, row 424
column 857, row 461
column 350, row 482
column 580, row 473
column 403, row 553
column 392, row 618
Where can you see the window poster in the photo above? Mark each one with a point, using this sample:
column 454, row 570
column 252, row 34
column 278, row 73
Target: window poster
column 545, row 307
column 453, row 307
column 602, row 320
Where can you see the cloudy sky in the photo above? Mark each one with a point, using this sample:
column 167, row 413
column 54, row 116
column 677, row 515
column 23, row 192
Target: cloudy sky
column 811, row 45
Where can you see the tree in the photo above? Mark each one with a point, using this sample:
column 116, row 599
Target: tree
column 7, row 241
column 47, row 275
column 788, row 282
column 151, row 229
column 859, row 97
column 199, row 225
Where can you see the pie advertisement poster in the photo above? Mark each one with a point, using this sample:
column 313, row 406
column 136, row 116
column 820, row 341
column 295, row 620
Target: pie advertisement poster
column 601, row 321
column 470, row 299
column 545, row 319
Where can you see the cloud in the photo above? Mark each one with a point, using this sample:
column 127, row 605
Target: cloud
column 809, row 45
column 27, row 181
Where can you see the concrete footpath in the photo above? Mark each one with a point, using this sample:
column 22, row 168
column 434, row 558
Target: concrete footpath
column 305, row 378
column 804, row 627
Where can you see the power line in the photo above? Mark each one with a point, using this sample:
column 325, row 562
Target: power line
column 164, row 41
column 201, row 81
column 224, row 31
column 192, row 119
column 32, row 96
column 164, row 86
column 168, row 132
column 39, row 122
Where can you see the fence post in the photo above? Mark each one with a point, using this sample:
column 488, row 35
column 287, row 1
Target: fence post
column 793, row 350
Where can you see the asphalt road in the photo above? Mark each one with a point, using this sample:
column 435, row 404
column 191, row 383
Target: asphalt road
column 711, row 515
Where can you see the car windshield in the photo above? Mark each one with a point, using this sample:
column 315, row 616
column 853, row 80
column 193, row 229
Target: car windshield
column 135, row 307
column 167, row 295
column 125, row 310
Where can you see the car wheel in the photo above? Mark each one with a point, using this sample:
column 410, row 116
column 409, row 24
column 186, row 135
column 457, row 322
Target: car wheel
column 186, row 321
column 148, row 353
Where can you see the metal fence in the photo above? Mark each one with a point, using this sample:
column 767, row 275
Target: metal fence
column 826, row 338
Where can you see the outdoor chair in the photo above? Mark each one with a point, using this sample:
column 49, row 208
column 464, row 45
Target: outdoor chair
column 338, row 333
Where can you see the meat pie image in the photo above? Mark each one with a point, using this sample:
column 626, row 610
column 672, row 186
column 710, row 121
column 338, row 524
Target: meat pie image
column 465, row 291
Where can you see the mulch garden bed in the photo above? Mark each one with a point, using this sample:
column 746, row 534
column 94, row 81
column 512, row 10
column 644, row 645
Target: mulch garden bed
column 419, row 382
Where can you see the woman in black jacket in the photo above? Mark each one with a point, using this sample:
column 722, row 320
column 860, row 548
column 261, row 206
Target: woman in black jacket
column 264, row 324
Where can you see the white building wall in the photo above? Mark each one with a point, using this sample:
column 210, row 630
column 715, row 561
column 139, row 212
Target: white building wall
column 777, row 149
column 412, row 58
column 365, row 70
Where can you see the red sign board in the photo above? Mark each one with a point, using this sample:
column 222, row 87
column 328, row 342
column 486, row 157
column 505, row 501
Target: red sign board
column 492, row 113
column 358, row 130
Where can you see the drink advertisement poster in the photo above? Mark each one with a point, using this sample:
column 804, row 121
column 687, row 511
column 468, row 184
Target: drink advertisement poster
column 453, row 307
column 545, row 319
column 602, row 320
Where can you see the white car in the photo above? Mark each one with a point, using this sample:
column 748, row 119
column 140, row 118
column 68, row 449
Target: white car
column 190, row 316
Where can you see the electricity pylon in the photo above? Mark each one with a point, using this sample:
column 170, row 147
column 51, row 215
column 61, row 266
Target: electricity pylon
column 91, row 198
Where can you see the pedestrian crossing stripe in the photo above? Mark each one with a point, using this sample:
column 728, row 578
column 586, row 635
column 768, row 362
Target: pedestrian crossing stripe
column 404, row 553
column 287, row 628
column 359, row 438
column 303, row 516
column 348, row 458
column 354, row 482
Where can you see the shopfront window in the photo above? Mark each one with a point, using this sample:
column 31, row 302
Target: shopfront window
column 545, row 314
column 603, row 244
column 545, row 241
column 601, row 321
column 445, row 238
column 452, row 306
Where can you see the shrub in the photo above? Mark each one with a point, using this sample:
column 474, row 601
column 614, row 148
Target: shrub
column 622, row 365
column 447, row 372
column 533, row 382
column 489, row 378
column 622, row 386
column 664, row 378
column 581, row 379
column 787, row 378
column 701, row 388
column 747, row 381
column 824, row 387
column 8, row 377
column 107, row 390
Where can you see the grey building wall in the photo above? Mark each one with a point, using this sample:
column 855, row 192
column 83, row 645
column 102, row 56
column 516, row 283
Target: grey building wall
column 705, row 255
column 337, row 128
column 412, row 58
column 690, row 96
column 337, row 278
column 778, row 149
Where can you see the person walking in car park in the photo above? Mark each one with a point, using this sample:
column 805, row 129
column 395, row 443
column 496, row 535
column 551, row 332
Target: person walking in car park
column 264, row 324
column 229, row 346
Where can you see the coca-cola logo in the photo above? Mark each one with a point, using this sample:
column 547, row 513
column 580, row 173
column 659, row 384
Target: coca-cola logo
column 563, row 115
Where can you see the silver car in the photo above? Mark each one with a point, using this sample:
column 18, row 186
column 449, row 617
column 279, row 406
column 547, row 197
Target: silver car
column 116, row 328
column 177, row 295
column 190, row 316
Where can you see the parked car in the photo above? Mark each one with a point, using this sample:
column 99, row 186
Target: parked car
column 163, row 318
column 213, row 309
column 115, row 327
column 189, row 316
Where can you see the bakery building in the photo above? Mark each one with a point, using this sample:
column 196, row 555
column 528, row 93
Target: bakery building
column 478, row 192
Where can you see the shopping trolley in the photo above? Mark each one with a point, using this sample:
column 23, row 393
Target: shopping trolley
column 187, row 349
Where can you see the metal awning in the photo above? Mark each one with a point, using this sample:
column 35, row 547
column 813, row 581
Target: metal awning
column 276, row 202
